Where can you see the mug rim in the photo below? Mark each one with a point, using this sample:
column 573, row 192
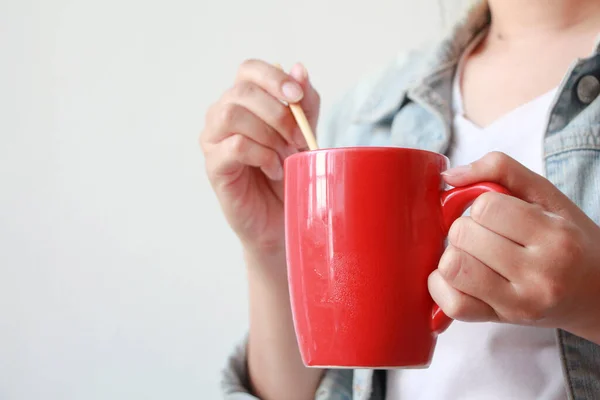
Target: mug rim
column 347, row 149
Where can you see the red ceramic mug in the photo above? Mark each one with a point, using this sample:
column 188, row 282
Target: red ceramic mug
column 365, row 226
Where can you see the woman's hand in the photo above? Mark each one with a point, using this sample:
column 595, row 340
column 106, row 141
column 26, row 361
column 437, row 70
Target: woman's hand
column 532, row 259
column 248, row 134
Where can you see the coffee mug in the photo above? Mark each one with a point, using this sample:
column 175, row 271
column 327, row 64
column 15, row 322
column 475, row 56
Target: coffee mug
column 364, row 227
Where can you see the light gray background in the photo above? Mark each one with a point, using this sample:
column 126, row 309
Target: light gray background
column 119, row 278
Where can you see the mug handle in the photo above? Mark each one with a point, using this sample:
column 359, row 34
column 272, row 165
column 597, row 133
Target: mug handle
column 454, row 203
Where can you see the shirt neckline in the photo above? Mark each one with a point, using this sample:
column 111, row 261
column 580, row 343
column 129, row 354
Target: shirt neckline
column 457, row 100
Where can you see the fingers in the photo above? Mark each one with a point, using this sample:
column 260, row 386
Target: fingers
column 239, row 150
column 515, row 219
column 469, row 275
column 267, row 108
column 273, row 80
column 497, row 252
column 228, row 119
column 458, row 305
column 260, row 88
column 294, row 87
column 252, row 114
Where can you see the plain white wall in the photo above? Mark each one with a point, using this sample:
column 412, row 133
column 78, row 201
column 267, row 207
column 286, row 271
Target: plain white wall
column 119, row 278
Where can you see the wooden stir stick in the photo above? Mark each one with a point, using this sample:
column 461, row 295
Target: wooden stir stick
column 302, row 123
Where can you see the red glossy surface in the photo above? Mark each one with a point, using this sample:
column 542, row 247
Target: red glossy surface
column 364, row 229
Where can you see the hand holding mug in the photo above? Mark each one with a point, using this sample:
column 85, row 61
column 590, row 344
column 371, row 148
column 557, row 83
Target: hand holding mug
column 531, row 259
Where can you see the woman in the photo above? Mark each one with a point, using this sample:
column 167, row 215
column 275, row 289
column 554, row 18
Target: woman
column 512, row 97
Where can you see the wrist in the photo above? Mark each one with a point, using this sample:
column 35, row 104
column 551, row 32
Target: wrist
column 587, row 325
column 265, row 258
column 263, row 251
column 266, row 265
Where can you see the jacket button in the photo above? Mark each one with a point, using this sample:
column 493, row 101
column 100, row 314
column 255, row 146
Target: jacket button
column 588, row 89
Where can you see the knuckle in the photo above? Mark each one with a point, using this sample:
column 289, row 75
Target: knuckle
column 568, row 244
column 238, row 145
column 529, row 313
column 209, row 121
column 451, row 264
column 486, row 206
column 536, row 208
column 458, row 231
column 228, row 113
column 553, row 294
column 248, row 63
column 456, row 308
column 540, row 300
column 211, row 112
column 244, row 89
column 497, row 161
column 211, row 164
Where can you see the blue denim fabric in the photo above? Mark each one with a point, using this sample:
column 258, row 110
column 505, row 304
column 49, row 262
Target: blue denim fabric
column 408, row 104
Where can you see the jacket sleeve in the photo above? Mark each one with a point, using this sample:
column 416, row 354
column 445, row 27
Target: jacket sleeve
column 235, row 382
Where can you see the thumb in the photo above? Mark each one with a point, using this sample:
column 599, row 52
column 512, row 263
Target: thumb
column 521, row 182
column 311, row 101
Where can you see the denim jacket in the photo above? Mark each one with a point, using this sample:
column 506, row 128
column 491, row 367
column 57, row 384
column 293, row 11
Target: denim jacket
column 408, row 104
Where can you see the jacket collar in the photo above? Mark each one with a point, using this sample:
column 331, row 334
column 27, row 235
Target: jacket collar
column 427, row 81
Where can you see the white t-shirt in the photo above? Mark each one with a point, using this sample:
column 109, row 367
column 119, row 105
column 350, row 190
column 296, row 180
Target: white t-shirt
column 481, row 361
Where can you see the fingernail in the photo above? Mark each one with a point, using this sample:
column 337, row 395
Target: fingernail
column 299, row 138
column 298, row 72
column 457, row 171
column 292, row 91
